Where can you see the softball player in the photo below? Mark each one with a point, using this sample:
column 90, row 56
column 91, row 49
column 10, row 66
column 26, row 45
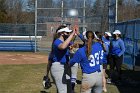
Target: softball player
column 89, row 57
column 106, row 40
column 60, row 57
column 50, row 60
column 74, row 69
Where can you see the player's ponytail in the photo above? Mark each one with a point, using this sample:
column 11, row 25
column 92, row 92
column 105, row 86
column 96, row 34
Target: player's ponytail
column 90, row 37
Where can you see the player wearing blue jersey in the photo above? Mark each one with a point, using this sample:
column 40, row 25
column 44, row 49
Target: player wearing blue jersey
column 89, row 57
column 98, row 38
column 117, row 50
column 50, row 60
column 74, row 69
column 106, row 40
column 60, row 57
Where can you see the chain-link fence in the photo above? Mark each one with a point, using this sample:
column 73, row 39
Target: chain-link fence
column 92, row 14
column 37, row 20
column 17, row 29
column 17, row 37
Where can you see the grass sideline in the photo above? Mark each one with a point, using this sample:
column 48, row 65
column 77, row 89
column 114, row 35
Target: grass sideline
column 28, row 79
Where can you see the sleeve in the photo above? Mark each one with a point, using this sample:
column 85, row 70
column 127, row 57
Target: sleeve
column 76, row 58
column 71, row 43
column 102, row 57
column 107, row 48
column 57, row 43
column 81, row 37
column 122, row 46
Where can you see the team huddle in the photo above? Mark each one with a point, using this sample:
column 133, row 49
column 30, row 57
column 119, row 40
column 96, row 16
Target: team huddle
column 92, row 56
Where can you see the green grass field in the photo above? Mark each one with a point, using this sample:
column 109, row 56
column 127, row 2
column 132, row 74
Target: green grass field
column 28, row 79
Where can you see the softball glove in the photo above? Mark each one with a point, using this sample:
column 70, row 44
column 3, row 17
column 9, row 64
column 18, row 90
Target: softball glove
column 46, row 82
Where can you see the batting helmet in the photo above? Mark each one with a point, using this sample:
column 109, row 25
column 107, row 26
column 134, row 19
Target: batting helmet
column 46, row 82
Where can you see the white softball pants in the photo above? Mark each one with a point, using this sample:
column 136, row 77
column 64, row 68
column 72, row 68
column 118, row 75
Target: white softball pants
column 57, row 71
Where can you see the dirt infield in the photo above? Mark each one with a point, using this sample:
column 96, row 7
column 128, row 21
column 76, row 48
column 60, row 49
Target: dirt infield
column 22, row 58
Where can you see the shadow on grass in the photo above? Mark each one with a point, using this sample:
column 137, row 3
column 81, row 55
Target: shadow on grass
column 131, row 79
column 130, row 82
column 43, row 92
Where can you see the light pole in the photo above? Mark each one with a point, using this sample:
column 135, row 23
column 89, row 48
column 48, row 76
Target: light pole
column 72, row 13
column 116, row 15
column 84, row 14
column 62, row 11
column 35, row 26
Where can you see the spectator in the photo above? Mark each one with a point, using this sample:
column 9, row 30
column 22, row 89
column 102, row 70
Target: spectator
column 117, row 50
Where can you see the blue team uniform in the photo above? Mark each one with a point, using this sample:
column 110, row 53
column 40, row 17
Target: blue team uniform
column 81, row 37
column 91, row 64
column 107, row 45
column 59, row 55
column 58, row 70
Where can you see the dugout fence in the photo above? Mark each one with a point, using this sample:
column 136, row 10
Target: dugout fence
column 131, row 34
column 17, row 37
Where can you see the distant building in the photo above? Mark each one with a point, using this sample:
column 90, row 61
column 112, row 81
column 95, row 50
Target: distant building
column 53, row 25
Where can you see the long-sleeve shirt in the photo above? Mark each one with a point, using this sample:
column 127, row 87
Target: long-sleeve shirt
column 107, row 45
column 117, row 47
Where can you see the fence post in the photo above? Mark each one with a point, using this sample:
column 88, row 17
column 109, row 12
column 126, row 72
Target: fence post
column 134, row 46
column 35, row 25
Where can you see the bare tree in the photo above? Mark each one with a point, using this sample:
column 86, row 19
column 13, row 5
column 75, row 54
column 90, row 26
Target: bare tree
column 104, row 20
column 16, row 12
column 128, row 10
column 3, row 13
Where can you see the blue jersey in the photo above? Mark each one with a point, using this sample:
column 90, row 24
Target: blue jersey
column 59, row 55
column 107, row 45
column 118, row 47
column 91, row 64
column 81, row 37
